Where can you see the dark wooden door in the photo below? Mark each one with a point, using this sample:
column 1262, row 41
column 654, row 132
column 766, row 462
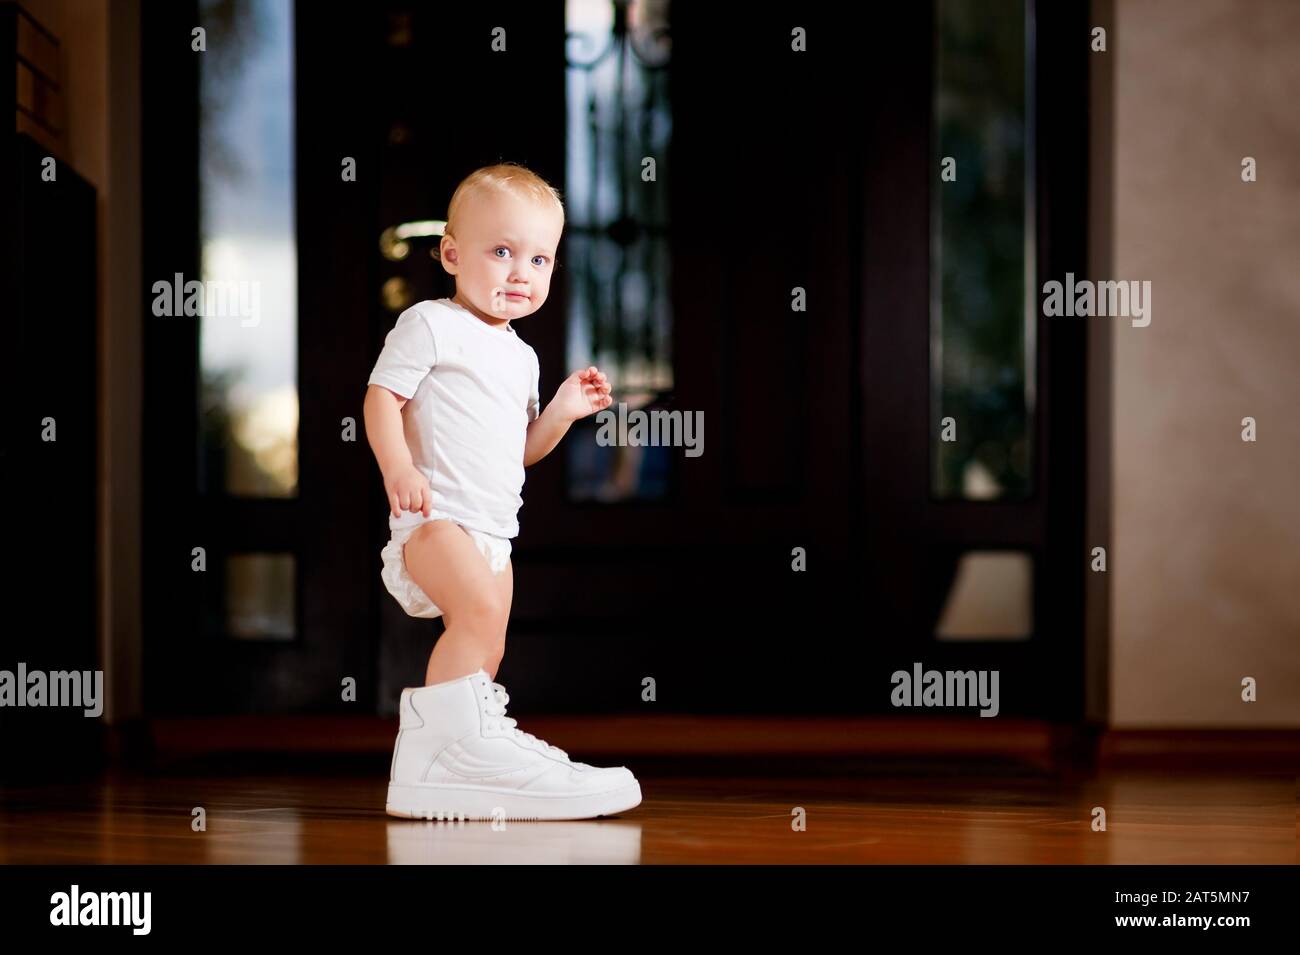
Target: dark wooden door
column 386, row 89
column 193, row 664
column 789, row 171
column 813, row 171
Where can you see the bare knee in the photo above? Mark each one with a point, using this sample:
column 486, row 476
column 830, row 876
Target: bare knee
column 482, row 616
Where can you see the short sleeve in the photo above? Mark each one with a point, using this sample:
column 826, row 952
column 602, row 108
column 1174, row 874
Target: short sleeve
column 410, row 351
column 534, row 390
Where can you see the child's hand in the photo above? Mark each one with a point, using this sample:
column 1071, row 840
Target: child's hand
column 408, row 490
column 584, row 392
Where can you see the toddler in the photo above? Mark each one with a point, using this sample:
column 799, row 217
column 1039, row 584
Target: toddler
column 453, row 416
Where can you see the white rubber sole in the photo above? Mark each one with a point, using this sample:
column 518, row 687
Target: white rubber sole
column 449, row 802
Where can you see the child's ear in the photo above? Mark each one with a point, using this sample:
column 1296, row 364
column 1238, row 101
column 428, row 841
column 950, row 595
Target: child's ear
column 448, row 255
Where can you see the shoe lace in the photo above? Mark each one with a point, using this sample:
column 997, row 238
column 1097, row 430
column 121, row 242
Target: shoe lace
column 496, row 708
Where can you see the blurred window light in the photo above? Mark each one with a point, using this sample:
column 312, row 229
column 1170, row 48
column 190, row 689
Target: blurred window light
column 982, row 304
column 617, row 250
column 248, row 365
column 991, row 598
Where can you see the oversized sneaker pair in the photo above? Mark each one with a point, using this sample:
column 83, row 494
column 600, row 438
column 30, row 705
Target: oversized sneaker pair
column 458, row 756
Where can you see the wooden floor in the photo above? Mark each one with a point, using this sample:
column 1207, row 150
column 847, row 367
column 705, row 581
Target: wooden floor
column 329, row 809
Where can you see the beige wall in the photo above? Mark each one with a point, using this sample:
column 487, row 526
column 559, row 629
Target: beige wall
column 99, row 53
column 1205, row 554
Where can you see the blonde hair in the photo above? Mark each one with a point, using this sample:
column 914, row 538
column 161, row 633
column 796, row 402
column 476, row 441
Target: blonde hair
column 504, row 177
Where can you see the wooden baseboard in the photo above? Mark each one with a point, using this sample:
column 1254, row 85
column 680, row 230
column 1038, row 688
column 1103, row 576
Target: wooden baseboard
column 693, row 737
column 1267, row 749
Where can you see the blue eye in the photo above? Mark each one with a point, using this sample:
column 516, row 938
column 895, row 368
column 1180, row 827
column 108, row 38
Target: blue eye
column 541, row 263
column 499, row 248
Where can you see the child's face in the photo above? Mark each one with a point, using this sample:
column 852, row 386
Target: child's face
column 505, row 244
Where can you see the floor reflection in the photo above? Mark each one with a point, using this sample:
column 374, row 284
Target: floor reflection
column 584, row 842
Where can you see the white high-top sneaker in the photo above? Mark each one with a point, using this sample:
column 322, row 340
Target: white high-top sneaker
column 458, row 756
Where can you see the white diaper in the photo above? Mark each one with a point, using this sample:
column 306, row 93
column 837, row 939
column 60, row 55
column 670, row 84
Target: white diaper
column 406, row 591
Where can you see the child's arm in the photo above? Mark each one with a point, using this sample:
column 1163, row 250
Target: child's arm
column 584, row 392
column 407, row 487
column 544, row 433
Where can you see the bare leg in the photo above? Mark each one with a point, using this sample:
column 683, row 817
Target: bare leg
column 505, row 581
column 442, row 558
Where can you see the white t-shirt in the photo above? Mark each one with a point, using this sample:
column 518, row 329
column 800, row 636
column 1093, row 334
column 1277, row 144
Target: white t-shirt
column 472, row 389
